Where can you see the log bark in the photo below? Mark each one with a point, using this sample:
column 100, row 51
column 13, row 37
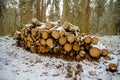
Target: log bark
column 17, row 34
column 36, row 22
column 29, row 38
column 66, row 25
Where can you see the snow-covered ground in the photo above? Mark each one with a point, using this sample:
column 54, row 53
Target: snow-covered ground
column 19, row 64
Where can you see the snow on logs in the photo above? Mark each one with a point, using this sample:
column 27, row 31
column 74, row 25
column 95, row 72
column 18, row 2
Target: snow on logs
column 58, row 40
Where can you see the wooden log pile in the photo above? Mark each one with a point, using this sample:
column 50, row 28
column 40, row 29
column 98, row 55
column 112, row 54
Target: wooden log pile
column 59, row 40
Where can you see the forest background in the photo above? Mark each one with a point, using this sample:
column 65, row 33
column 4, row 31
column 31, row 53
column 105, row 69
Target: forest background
column 94, row 17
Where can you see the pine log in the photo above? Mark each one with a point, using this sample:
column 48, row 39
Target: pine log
column 82, row 54
column 112, row 67
column 42, row 42
column 45, row 34
column 27, row 31
column 56, row 49
column 55, row 34
column 94, row 52
column 70, row 38
column 87, row 40
column 72, row 53
column 22, row 35
column 33, row 49
column 82, row 48
column 17, row 34
column 104, row 52
column 29, row 44
column 95, row 40
column 34, row 32
column 49, row 42
column 78, row 58
column 86, row 56
column 66, row 25
column 36, row 22
column 62, row 33
column 29, row 38
column 68, row 47
column 62, row 40
column 42, row 49
column 48, row 25
column 76, row 47
column 38, row 43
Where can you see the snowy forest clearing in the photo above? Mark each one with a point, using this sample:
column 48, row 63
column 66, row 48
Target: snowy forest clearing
column 19, row 64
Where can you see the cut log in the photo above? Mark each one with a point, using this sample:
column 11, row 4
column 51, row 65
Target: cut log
column 87, row 47
column 88, row 40
column 33, row 49
column 38, row 43
column 34, row 33
column 104, row 52
column 72, row 53
column 78, row 58
column 27, row 31
column 48, row 25
column 68, row 47
column 62, row 40
column 62, row 33
column 42, row 49
column 17, row 34
column 112, row 67
column 107, row 57
column 49, row 42
column 82, row 48
column 56, row 49
column 76, row 47
column 42, row 41
column 82, row 54
column 95, row 40
column 94, row 52
column 70, row 38
column 29, row 38
column 29, row 44
column 36, row 22
column 55, row 34
column 45, row 34
column 66, row 25
column 86, row 56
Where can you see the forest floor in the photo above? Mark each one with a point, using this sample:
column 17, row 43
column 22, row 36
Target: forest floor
column 19, row 64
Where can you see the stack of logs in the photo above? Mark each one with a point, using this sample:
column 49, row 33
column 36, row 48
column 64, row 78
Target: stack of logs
column 59, row 40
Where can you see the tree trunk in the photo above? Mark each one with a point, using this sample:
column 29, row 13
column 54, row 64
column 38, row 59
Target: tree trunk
column 38, row 10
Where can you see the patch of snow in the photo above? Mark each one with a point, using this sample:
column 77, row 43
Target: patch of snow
column 19, row 64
